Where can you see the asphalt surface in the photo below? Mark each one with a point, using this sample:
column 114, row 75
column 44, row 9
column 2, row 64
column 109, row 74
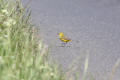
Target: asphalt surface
column 93, row 26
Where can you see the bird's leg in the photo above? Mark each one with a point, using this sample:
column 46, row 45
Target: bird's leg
column 67, row 45
column 63, row 44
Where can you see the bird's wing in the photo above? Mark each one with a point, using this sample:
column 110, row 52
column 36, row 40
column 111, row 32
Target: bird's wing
column 66, row 38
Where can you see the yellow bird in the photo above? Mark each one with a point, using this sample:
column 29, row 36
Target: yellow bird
column 63, row 38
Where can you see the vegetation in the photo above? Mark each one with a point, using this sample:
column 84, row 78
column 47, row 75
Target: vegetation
column 22, row 56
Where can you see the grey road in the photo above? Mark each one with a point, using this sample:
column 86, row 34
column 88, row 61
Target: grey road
column 93, row 25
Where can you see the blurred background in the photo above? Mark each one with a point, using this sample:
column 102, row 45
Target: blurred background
column 93, row 26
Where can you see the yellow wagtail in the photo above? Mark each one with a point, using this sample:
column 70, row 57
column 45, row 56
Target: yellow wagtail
column 63, row 38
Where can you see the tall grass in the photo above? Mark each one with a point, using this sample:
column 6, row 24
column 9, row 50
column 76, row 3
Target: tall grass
column 21, row 56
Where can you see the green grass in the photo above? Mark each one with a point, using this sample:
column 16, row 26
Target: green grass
column 22, row 56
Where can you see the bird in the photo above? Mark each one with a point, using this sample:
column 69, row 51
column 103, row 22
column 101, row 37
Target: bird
column 63, row 38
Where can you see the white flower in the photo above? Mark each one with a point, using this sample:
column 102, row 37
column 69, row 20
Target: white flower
column 6, row 36
column 14, row 22
column 51, row 74
column 9, row 22
column 4, row 11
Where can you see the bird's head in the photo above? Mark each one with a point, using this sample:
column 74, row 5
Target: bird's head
column 60, row 34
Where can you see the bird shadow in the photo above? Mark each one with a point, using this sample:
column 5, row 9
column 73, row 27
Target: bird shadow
column 65, row 45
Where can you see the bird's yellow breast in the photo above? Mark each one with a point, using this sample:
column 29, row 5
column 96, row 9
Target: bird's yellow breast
column 63, row 38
